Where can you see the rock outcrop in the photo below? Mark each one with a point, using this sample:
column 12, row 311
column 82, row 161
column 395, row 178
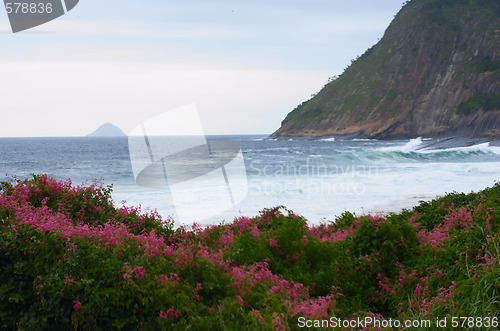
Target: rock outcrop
column 107, row 130
column 435, row 72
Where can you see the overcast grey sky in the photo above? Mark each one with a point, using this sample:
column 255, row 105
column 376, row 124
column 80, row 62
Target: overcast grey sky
column 244, row 64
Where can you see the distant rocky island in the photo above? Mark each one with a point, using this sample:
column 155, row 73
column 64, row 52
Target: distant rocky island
column 107, row 130
column 435, row 73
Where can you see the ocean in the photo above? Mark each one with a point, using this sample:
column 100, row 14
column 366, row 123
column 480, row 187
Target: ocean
column 316, row 178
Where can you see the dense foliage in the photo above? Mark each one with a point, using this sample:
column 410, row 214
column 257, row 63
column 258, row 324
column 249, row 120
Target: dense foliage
column 484, row 101
column 70, row 259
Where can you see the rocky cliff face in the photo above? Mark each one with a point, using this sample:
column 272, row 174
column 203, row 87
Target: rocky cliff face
column 435, row 72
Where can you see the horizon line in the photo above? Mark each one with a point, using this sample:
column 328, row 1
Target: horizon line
column 127, row 136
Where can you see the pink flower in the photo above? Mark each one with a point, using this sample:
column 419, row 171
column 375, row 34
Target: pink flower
column 272, row 242
column 77, row 304
column 169, row 313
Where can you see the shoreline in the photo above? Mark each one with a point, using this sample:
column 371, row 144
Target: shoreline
column 441, row 142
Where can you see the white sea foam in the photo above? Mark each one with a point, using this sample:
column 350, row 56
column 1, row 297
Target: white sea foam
column 318, row 180
column 417, row 146
column 410, row 146
column 485, row 148
column 391, row 188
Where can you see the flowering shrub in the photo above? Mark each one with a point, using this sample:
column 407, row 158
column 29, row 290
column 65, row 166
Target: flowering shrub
column 71, row 259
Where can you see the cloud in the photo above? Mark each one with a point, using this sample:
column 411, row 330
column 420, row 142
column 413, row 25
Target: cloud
column 73, row 98
column 121, row 61
column 134, row 29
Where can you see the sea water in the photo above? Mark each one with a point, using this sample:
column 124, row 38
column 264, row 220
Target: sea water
column 317, row 178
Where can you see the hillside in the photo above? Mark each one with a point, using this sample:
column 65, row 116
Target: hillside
column 435, row 72
column 107, row 130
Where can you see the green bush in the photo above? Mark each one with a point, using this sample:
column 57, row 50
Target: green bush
column 99, row 267
column 484, row 101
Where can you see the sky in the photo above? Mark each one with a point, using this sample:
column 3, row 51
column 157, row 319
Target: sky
column 245, row 65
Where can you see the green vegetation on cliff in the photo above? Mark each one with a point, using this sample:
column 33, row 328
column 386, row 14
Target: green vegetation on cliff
column 484, row 101
column 434, row 56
